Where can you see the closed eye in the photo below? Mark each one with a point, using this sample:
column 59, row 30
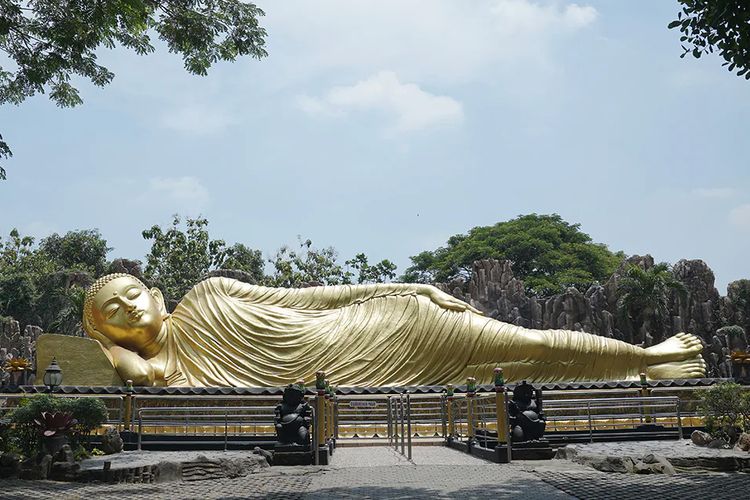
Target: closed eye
column 111, row 310
column 133, row 292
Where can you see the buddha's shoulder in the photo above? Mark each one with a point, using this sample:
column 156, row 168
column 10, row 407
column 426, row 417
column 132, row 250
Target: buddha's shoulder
column 221, row 284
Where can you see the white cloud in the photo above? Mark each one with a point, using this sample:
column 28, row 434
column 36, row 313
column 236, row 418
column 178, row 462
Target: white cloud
column 521, row 18
column 181, row 193
column 412, row 108
column 740, row 216
column 714, row 193
column 197, row 119
column 424, row 40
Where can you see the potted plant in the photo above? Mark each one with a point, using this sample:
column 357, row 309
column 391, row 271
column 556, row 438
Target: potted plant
column 17, row 368
column 53, row 428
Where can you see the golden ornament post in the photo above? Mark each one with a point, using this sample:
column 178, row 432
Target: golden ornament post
column 320, row 402
column 471, row 388
column 449, row 411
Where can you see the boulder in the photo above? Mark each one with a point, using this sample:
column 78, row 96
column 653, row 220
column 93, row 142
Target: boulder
column 701, row 438
column 743, row 443
column 111, row 441
column 10, row 465
column 566, row 453
column 656, row 464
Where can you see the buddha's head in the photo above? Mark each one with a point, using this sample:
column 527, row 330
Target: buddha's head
column 122, row 309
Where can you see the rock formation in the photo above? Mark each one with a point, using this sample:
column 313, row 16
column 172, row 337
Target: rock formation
column 495, row 290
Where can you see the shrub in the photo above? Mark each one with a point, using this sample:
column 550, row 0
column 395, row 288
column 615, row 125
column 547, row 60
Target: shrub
column 726, row 409
column 89, row 413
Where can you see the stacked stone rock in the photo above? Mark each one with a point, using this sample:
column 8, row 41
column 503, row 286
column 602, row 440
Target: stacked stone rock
column 494, row 290
column 14, row 343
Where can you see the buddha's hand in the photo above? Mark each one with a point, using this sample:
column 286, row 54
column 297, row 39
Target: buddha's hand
column 104, row 341
column 448, row 301
column 129, row 365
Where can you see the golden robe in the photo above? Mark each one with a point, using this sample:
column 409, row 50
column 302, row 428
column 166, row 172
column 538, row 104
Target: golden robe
column 228, row 333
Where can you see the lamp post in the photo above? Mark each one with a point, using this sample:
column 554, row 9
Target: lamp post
column 53, row 376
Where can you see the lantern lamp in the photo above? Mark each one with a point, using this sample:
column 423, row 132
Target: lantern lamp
column 53, row 375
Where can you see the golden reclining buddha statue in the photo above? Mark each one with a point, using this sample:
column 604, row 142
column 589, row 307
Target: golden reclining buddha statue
column 229, row 333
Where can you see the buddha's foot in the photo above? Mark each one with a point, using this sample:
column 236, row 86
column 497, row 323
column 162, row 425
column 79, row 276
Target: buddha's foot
column 678, row 348
column 689, row 368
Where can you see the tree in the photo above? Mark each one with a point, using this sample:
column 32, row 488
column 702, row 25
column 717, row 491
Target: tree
column 546, row 252
column 51, row 41
column 45, row 285
column 643, row 302
column 722, row 25
column 296, row 268
column 178, row 259
column 84, row 250
column 382, row 272
column 245, row 259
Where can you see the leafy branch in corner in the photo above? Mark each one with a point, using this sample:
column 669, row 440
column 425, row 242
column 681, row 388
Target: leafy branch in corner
column 51, row 41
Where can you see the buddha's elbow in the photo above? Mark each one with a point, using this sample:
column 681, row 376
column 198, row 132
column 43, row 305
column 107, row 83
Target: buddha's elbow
column 142, row 374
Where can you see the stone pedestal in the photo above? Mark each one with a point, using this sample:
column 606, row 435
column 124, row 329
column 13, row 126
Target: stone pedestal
column 289, row 454
column 533, row 450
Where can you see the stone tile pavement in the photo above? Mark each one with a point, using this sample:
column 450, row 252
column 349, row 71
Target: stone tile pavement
column 434, row 472
column 603, row 486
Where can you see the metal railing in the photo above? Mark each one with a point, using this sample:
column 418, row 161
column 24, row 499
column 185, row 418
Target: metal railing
column 205, row 420
column 614, row 414
column 399, row 423
column 366, row 416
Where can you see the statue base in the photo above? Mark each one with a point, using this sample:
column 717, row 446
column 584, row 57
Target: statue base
column 292, row 454
column 532, row 450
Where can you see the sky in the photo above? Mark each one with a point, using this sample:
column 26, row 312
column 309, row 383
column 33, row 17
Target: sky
column 387, row 126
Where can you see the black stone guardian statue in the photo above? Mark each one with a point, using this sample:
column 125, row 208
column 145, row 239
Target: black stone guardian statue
column 293, row 417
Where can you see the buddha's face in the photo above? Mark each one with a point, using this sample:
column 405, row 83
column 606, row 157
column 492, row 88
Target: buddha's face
column 128, row 314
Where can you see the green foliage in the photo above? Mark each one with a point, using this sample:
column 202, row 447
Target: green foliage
column 179, row 258
column 89, row 413
column 51, row 42
column 546, row 252
column 245, row 259
column 721, row 25
column 5, row 435
column 77, row 250
column 295, row 268
column 644, row 297
column 382, row 272
column 309, row 265
column 45, row 286
column 726, row 410
column 5, row 153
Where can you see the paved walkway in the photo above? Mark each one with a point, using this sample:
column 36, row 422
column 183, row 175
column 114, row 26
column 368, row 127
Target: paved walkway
column 434, row 472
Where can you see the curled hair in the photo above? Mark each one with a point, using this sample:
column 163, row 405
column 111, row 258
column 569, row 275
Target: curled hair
column 88, row 303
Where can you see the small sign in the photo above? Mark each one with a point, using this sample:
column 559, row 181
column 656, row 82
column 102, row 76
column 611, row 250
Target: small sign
column 363, row 404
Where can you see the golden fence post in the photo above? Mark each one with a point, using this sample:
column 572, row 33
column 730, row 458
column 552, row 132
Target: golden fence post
column 329, row 414
column 320, row 387
column 501, row 410
column 128, row 417
column 449, row 411
column 471, row 389
column 645, row 392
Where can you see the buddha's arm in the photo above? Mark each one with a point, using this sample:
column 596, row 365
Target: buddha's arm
column 130, row 366
column 329, row 297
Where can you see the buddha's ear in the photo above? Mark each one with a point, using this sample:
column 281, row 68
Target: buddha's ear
column 156, row 294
